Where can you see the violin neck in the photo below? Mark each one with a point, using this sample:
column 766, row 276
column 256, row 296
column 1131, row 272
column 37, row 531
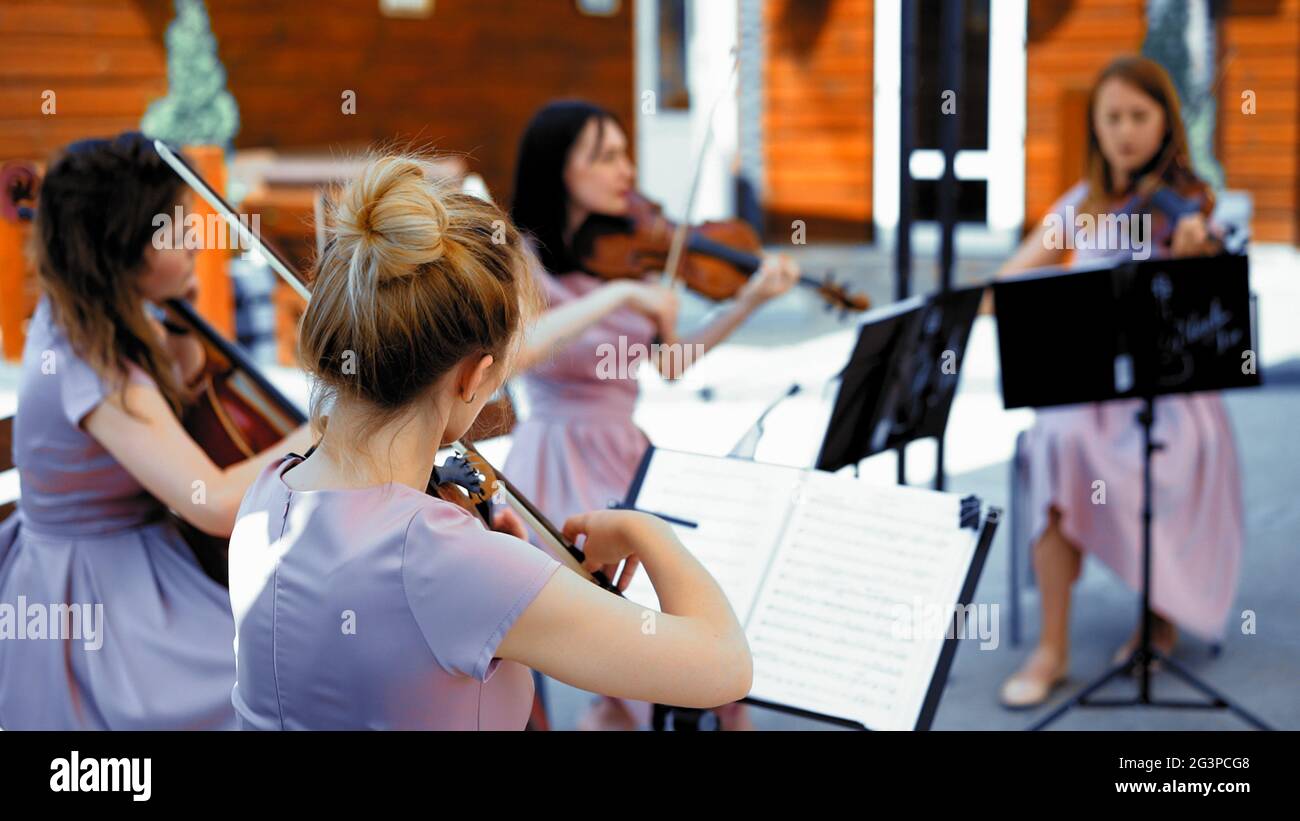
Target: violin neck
column 535, row 519
column 237, row 358
column 749, row 263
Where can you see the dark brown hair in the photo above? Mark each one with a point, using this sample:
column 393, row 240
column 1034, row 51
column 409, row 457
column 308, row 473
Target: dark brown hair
column 94, row 220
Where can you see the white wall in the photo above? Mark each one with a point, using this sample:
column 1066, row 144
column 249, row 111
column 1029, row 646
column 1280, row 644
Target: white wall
column 668, row 142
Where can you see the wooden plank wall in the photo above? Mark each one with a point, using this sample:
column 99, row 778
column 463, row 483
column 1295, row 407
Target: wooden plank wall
column 104, row 61
column 817, row 117
column 1071, row 40
column 1068, row 43
column 465, row 79
column 1260, row 152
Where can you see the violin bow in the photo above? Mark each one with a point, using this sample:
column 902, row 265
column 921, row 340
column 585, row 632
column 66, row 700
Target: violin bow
column 568, row 554
column 209, row 195
column 684, row 225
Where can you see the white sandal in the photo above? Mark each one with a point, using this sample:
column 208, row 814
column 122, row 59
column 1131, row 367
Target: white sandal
column 1022, row 691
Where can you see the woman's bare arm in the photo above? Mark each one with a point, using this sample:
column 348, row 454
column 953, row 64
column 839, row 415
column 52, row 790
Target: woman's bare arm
column 154, row 448
column 692, row 654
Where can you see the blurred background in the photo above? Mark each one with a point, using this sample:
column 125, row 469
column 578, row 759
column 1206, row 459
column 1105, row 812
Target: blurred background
column 274, row 100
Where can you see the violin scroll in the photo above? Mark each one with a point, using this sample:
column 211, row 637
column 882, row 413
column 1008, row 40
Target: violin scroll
column 467, row 480
column 20, row 183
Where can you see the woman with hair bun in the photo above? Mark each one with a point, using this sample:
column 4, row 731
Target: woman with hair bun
column 360, row 601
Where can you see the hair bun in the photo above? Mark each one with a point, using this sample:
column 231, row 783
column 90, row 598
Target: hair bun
column 391, row 220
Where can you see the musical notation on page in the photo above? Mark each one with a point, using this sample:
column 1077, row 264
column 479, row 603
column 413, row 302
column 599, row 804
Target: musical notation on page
column 825, row 573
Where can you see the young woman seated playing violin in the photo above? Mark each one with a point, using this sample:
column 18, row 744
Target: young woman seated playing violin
column 361, row 601
column 579, row 448
column 1136, row 144
column 102, row 455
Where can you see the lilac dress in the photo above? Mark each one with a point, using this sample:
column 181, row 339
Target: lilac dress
column 375, row 608
column 87, row 534
column 579, row 448
column 1198, row 530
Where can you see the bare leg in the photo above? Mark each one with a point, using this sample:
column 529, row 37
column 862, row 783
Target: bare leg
column 1057, row 562
column 607, row 713
column 734, row 716
column 1164, row 635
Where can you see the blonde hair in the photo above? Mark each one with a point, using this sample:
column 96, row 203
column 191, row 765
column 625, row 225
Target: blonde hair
column 415, row 277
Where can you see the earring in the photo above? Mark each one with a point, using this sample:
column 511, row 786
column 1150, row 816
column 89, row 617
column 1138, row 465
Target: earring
column 471, row 397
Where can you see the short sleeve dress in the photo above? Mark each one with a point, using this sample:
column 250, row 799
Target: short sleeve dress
column 153, row 648
column 376, row 608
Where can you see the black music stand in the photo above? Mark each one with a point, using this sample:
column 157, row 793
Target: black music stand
column 1136, row 331
column 898, row 386
column 899, row 383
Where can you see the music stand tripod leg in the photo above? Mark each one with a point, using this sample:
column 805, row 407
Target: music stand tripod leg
column 1144, row 654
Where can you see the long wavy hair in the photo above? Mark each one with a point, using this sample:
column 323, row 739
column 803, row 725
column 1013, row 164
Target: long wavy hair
column 1172, row 163
column 94, row 221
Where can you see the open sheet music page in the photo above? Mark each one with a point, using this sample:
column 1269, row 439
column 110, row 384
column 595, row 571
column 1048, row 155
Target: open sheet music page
column 740, row 508
column 845, row 588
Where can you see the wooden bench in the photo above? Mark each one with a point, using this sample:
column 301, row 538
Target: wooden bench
column 7, row 462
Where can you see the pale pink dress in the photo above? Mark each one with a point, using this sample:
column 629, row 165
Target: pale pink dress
column 579, row 449
column 1198, row 529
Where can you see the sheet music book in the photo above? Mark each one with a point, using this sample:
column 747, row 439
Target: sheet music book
column 841, row 585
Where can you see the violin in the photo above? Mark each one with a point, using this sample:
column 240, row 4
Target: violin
column 1166, row 205
column 717, row 259
column 1167, row 202
column 468, row 479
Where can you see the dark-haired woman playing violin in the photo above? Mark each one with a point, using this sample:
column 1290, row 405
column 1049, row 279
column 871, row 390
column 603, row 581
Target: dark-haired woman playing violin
column 579, row 448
